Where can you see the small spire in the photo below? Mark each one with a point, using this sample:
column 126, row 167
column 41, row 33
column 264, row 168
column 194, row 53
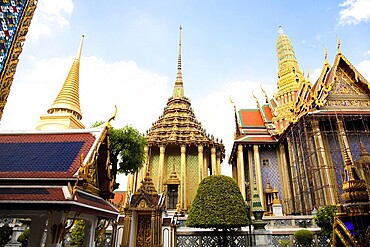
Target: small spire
column 281, row 31
column 178, row 91
column 338, row 47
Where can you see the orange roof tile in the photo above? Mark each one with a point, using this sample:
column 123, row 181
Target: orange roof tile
column 251, row 118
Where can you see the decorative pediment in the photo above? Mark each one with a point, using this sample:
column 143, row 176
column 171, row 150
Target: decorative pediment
column 344, row 86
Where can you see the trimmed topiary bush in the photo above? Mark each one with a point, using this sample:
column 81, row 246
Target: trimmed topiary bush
column 303, row 237
column 325, row 219
column 218, row 204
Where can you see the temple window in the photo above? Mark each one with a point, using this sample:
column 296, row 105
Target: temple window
column 173, row 194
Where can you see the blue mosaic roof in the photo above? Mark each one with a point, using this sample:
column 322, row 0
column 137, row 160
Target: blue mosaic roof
column 10, row 14
column 38, row 156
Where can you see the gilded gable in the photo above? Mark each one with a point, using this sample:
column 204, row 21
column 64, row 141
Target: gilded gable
column 345, row 91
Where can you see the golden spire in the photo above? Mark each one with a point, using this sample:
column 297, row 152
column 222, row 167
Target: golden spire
column 68, row 99
column 338, row 47
column 178, row 91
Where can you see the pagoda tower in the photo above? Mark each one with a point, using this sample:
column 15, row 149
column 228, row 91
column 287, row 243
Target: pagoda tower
column 290, row 78
column 179, row 151
column 65, row 112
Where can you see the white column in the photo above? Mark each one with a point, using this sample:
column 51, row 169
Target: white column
column 37, row 230
column 55, row 219
column 90, row 225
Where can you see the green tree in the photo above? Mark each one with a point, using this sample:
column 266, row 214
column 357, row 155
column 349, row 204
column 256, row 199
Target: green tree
column 303, row 238
column 23, row 238
column 324, row 218
column 127, row 146
column 218, row 204
column 78, row 233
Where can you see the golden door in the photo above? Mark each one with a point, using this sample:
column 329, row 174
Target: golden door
column 144, row 237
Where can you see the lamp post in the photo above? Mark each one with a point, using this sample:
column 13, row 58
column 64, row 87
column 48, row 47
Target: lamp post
column 248, row 200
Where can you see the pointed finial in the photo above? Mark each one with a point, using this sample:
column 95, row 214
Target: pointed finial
column 308, row 73
column 113, row 117
column 178, row 91
column 338, row 47
column 258, row 103
column 266, row 97
column 326, row 55
column 281, row 31
column 79, row 51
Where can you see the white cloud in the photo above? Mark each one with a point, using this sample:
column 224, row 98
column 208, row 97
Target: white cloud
column 364, row 68
column 315, row 75
column 354, row 12
column 138, row 94
column 50, row 14
column 366, row 53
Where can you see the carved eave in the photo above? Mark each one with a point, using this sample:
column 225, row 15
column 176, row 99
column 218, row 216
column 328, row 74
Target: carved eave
column 95, row 172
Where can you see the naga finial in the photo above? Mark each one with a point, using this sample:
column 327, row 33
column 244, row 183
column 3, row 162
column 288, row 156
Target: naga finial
column 338, row 47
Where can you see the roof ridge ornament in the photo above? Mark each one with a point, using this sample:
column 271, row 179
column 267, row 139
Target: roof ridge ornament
column 338, row 46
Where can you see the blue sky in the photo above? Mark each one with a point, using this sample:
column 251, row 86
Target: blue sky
column 129, row 55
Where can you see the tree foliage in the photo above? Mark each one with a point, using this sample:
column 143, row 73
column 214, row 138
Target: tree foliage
column 324, row 218
column 303, row 238
column 78, row 233
column 23, row 238
column 126, row 148
column 218, row 204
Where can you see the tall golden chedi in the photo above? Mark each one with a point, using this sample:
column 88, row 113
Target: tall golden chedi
column 179, row 152
column 65, row 112
column 15, row 18
column 290, row 79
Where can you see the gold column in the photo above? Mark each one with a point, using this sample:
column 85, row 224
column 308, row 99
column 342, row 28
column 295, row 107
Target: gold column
column 329, row 193
column 257, row 166
column 241, row 174
column 162, row 149
column 213, row 160
column 200, row 162
column 218, row 162
column 250, row 169
column 205, row 162
column 183, row 177
column 285, row 180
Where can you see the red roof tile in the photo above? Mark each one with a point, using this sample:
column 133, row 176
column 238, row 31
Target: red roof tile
column 251, row 118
